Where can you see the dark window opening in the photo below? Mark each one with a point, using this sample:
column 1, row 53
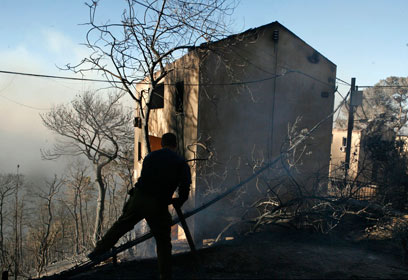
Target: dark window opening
column 157, row 99
column 137, row 122
column 179, row 96
column 139, row 151
column 344, row 142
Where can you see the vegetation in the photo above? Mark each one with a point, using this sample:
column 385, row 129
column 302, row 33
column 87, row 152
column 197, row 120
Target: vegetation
column 99, row 129
column 376, row 195
column 150, row 35
column 55, row 216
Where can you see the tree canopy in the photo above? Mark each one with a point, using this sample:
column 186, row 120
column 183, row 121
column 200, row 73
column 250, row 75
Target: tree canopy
column 98, row 128
column 150, row 34
column 387, row 100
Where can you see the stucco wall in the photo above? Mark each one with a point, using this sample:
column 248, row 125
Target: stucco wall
column 252, row 88
column 166, row 119
column 241, row 94
column 338, row 154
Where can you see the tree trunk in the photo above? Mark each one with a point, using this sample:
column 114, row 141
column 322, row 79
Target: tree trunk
column 145, row 135
column 1, row 231
column 145, row 116
column 76, row 222
column 21, row 233
column 44, row 245
column 100, row 205
column 81, row 219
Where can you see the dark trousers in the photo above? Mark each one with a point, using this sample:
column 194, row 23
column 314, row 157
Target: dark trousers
column 142, row 206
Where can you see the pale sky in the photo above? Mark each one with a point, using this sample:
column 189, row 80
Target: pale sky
column 366, row 39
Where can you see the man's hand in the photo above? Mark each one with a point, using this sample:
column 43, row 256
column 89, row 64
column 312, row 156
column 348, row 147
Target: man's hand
column 131, row 191
column 177, row 202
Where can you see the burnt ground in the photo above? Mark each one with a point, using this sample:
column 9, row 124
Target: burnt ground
column 275, row 252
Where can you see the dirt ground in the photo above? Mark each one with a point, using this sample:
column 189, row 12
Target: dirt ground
column 274, row 253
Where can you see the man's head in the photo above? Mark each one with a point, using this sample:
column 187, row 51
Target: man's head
column 169, row 140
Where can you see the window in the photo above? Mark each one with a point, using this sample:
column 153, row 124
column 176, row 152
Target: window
column 137, row 122
column 344, row 142
column 157, row 99
column 179, row 95
column 139, row 151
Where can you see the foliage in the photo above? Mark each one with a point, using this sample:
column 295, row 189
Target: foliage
column 388, row 160
column 89, row 126
column 139, row 48
column 387, row 100
column 100, row 129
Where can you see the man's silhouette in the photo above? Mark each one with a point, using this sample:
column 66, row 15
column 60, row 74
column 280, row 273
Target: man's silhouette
column 163, row 171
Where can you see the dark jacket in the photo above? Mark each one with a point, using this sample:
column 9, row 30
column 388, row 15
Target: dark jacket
column 162, row 172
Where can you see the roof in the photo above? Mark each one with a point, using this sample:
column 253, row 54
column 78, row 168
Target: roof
column 263, row 27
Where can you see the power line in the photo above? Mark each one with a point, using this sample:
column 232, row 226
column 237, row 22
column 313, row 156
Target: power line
column 6, row 87
column 190, row 84
column 145, row 83
column 383, row 86
column 339, row 94
column 252, row 54
column 343, row 81
column 56, row 77
column 307, row 75
column 24, row 105
column 95, row 80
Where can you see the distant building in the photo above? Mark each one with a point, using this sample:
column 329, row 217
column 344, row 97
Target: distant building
column 364, row 170
column 234, row 100
column 338, row 154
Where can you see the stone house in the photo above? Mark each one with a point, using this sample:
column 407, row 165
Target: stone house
column 231, row 102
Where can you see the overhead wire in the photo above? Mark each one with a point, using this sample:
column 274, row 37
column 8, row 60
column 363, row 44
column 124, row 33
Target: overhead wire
column 7, row 86
column 342, row 104
column 146, row 83
column 55, row 77
column 383, row 86
column 344, row 82
column 289, row 71
column 106, row 81
column 24, row 105
column 261, row 67
column 253, row 54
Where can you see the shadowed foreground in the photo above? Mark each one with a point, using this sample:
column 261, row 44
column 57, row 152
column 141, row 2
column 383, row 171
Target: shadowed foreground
column 273, row 253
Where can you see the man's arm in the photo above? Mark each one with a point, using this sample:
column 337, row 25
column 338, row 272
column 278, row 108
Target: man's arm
column 184, row 185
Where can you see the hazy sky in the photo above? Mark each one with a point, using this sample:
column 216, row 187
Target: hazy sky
column 365, row 39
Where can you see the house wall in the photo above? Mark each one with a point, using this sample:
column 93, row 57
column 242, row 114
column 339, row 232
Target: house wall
column 252, row 88
column 305, row 90
column 184, row 124
column 241, row 94
column 363, row 168
column 338, row 154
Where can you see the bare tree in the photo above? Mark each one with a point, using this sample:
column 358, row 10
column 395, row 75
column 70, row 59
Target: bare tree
column 17, row 229
column 148, row 37
column 96, row 128
column 45, row 232
column 79, row 185
column 7, row 188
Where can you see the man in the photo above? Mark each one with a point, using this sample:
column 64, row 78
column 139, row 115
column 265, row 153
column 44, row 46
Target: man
column 163, row 171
